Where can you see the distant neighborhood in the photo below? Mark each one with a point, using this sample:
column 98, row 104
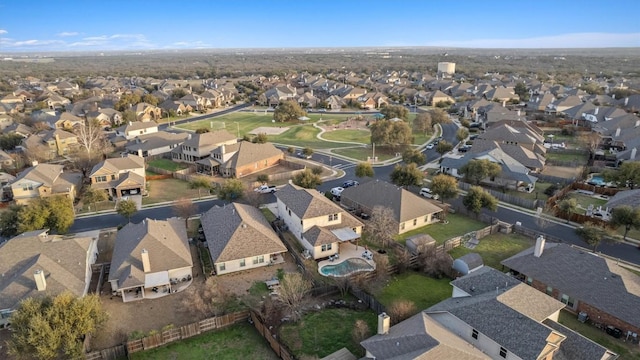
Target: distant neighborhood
column 412, row 214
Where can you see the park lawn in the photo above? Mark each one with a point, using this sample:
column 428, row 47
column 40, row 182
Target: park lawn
column 585, row 201
column 626, row 351
column 303, row 136
column 167, row 164
column 418, row 288
column 170, row 190
column 321, row 333
column 361, row 153
column 246, row 122
column 457, row 225
column 495, row 248
column 239, row 341
column 360, row 136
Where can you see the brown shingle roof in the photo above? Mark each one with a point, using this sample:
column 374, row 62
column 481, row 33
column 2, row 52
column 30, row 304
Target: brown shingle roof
column 238, row 231
column 249, row 153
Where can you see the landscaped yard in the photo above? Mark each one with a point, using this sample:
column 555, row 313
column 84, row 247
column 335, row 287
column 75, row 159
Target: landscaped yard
column 626, row 351
column 303, row 136
column 456, row 225
column 239, row 341
column 420, row 289
column 536, row 194
column 324, row 332
column 170, row 190
column 578, row 159
column 361, row 153
column 585, row 200
column 495, row 248
column 167, row 164
column 361, row 136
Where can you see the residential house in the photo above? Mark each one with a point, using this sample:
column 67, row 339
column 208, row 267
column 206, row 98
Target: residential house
column 308, row 99
column 36, row 263
column 501, row 94
column 488, row 307
column 335, row 102
column 495, row 112
column 5, row 186
column 176, row 106
column 133, row 129
column 43, row 180
column 438, row 97
column 318, row 224
column 119, row 177
column 622, row 135
column 540, row 102
column 277, row 94
column 216, row 98
column 19, row 129
column 240, row 238
column 626, row 197
column 563, row 104
column 155, row 144
column 56, row 102
column 66, row 121
column 59, row 141
column 151, row 259
column 107, row 117
column 410, row 211
column 240, row 159
column 5, row 121
column 586, row 283
column 513, row 175
column 199, row 146
column 147, row 112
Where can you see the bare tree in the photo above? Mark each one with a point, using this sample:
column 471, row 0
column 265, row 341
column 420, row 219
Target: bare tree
column 206, row 300
column 343, row 284
column 184, row 208
column 252, row 197
column 91, row 138
column 382, row 263
column 382, row 226
column 403, row 258
column 437, row 264
column 401, row 310
column 292, row 293
column 360, row 331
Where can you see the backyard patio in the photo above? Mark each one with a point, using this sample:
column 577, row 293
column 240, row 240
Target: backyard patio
column 350, row 259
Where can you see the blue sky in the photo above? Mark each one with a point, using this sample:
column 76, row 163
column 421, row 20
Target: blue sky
column 104, row 25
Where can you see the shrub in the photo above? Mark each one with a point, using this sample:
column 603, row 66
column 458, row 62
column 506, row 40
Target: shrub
column 401, row 310
column 136, row 334
column 465, row 123
column 360, row 331
column 551, row 190
column 317, row 170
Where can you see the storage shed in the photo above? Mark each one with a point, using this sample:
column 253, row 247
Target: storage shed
column 418, row 243
column 468, row 263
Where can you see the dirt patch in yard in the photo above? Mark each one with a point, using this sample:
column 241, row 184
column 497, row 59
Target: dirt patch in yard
column 238, row 283
column 562, row 171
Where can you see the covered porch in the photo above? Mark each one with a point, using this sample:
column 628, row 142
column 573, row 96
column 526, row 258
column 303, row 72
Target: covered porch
column 156, row 286
column 208, row 166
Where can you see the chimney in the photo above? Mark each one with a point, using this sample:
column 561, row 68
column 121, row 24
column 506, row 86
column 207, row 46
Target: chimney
column 146, row 265
column 41, row 282
column 223, row 149
column 617, row 132
column 504, row 103
column 518, row 112
column 383, row 324
column 34, row 163
column 595, row 112
column 537, row 251
column 626, row 101
column 130, row 123
column 633, row 153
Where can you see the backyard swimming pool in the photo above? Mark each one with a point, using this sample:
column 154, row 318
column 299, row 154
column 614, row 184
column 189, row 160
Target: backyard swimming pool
column 597, row 180
column 346, row 268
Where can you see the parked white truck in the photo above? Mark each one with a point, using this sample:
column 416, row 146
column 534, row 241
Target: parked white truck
column 265, row 189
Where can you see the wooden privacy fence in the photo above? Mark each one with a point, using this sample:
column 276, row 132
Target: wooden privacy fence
column 168, row 336
column 511, row 199
column 280, row 349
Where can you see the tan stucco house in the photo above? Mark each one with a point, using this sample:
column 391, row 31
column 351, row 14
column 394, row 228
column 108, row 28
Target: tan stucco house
column 43, row 180
column 120, row 176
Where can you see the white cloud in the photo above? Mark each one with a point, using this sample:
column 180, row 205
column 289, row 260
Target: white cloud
column 188, row 45
column 68, row 33
column 575, row 40
column 3, row 31
column 36, row 43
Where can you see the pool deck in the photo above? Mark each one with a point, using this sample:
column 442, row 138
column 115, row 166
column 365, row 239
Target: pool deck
column 347, row 251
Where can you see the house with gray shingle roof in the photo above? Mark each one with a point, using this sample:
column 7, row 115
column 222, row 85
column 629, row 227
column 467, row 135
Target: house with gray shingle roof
column 136, row 128
column 626, row 197
column 242, row 159
column 410, row 211
column 151, row 259
column 240, row 238
column 504, row 318
column 319, row 224
column 585, row 282
column 199, row 146
column 35, row 263
column 161, row 142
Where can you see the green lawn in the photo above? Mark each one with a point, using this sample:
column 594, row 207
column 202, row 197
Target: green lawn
column 422, row 290
column 495, row 248
column 205, row 256
column 361, row 153
column 303, row 136
column 586, row 200
column 167, row 164
column 457, row 225
column 626, row 351
column 579, row 159
column 240, row 341
column 361, row 136
column 246, row 122
column 268, row 214
column 324, row 332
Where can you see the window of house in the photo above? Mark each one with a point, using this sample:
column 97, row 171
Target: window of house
column 566, row 299
column 242, row 263
column 326, row 247
column 474, row 334
column 222, row 267
column 261, row 259
column 549, row 290
column 102, row 178
column 402, row 226
column 426, row 218
column 289, row 212
column 415, row 222
column 113, row 177
column 529, row 280
column 333, row 217
column 503, row 352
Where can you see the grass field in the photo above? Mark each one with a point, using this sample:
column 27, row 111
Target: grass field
column 626, row 351
column 240, row 341
column 457, row 225
column 579, row 159
column 324, row 332
column 361, row 153
column 169, row 190
column 167, row 164
column 495, row 248
column 303, row 136
column 360, row 136
column 420, row 289
column 585, row 201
